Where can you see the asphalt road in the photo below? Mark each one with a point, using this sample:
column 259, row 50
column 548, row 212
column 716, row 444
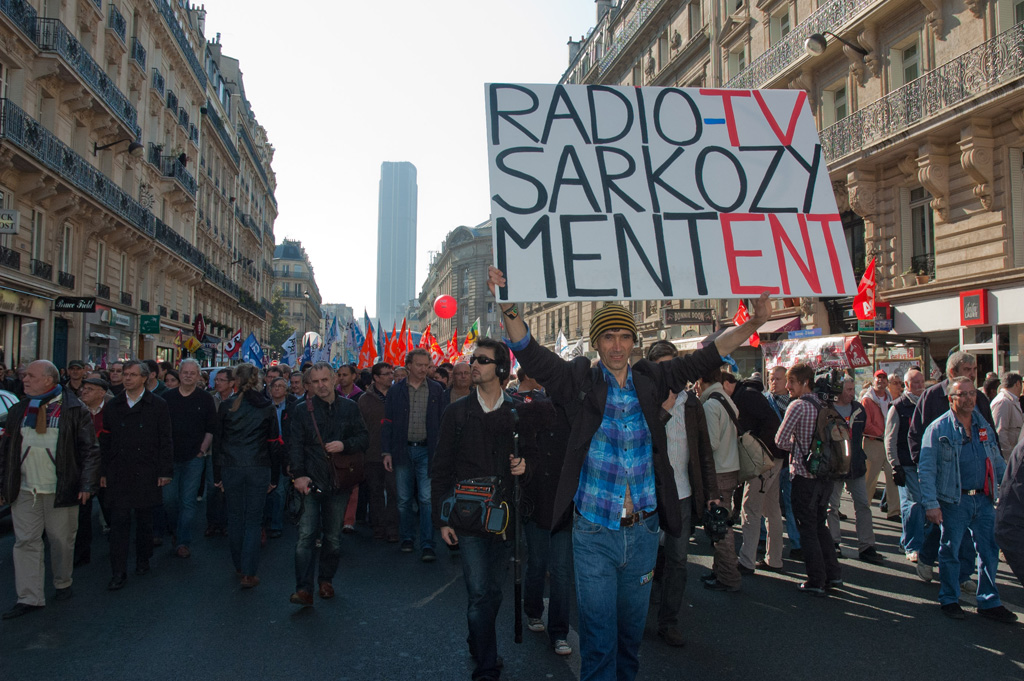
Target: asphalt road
column 397, row 618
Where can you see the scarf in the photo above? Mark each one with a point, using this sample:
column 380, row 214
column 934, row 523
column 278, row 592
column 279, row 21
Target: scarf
column 883, row 402
column 912, row 397
column 36, row 403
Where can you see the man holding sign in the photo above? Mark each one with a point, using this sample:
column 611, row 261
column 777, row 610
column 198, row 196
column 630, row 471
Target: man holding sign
column 617, row 473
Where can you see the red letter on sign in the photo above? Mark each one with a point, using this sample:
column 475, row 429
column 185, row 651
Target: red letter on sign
column 786, row 139
column 808, row 267
column 833, row 256
column 731, row 254
column 730, row 119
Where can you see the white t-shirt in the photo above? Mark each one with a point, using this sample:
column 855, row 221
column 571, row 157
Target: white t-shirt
column 679, row 447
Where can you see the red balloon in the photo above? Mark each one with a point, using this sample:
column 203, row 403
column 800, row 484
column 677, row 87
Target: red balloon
column 445, row 306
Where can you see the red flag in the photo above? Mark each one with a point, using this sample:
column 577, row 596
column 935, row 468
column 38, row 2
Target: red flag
column 453, row 346
column 864, row 301
column 742, row 316
column 409, row 347
column 391, row 347
column 425, row 339
column 436, row 353
column 368, row 353
column 234, row 344
column 401, row 349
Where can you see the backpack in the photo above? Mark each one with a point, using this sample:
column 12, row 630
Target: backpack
column 755, row 457
column 830, row 453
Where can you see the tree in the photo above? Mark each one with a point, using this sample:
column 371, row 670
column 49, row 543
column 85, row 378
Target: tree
column 280, row 329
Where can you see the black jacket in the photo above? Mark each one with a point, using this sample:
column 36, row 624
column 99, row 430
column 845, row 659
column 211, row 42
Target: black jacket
column 1010, row 510
column 78, row 453
column 544, row 430
column 581, row 389
column 473, row 444
column 904, row 412
column 248, row 437
column 339, row 420
column 934, row 403
column 395, row 426
column 757, row 415
column 137, row 450
column 701, row 466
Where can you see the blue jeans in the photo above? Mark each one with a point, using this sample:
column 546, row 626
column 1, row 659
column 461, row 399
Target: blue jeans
column 786, row 496
column 484, row 566
column 913, row 513
column 413, row 481
column 614, row 571
column 180, row 499
column 245, row 493
column 324, row 512
column 273, row 510
column 548, row 554
column 215, row 514
column 977, row 515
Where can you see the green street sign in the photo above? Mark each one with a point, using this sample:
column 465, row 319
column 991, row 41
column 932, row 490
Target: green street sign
column 149, row 323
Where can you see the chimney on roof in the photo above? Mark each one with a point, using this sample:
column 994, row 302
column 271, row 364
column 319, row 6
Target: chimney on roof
column 574, row 48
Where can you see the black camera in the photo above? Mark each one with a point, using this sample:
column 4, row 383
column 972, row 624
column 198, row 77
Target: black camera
column 828, row 384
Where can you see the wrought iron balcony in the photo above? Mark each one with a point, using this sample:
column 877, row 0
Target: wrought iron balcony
column 984, row 67
column 138, row 53
column 22, row 14
column 126, row 298
column 179, row 36
column 183, row 118
column 103, row 291
column 172, row 100
column 143, row 306
column 644, row 10
column 222, row 132
column 193, row 134
column 170, row 166
column 186, row 319
column 179, row 244
column 117, row 23
column 163, row 310
column 10, row 258
column 43, row 270
column 174, row 315
column 830, row 16
column 589, row 55
column 65, row 279
column 54, row 36
column 158, row 81
column 243, row 132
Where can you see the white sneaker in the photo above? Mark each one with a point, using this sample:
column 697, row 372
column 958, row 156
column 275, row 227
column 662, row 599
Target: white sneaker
column 925, row 572
column 912, row 556
column 534, row 624
column 562, row 648
column 969, row 586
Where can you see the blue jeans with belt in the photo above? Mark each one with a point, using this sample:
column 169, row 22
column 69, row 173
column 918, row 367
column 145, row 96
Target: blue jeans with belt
column 975, row 515
column 614, row 571
column 413, row 481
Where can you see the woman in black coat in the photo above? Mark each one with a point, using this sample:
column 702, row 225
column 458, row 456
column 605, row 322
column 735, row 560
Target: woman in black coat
column 246, row 465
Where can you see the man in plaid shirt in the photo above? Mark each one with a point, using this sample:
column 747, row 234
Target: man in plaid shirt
column 810, row 495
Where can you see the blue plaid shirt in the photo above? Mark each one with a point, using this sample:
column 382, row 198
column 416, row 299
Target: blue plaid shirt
column 620, row 454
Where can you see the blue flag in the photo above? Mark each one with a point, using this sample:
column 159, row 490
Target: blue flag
column 252, row 352
column 307, row 353
column 379, row 340
column 289, row 350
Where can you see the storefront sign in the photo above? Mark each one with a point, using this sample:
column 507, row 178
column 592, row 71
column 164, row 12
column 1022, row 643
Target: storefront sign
column 199, row 328
column 688, row 315
column 70, row 304
column 26, row 305
column 112, row 317
column 805, row 333
column 974, row 307
column 902, row 353
column 10, row 220
column 149, row 323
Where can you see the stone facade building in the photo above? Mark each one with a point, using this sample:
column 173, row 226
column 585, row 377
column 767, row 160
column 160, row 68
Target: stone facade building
column 293, row 277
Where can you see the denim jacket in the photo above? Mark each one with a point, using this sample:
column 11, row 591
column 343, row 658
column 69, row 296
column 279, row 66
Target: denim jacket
column 939, row 468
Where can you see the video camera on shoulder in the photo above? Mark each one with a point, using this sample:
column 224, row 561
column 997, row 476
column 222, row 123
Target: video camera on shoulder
column 828, row 384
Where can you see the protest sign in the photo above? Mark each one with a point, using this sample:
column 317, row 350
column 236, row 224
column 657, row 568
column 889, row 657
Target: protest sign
column 604, row 192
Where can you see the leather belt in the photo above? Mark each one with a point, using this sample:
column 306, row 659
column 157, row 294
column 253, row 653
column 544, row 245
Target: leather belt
column 421, row 443
column 634, row 518
column 972, row 492
column 872, row 437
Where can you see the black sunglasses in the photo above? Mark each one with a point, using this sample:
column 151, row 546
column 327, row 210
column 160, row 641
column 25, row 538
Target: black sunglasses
column 482, row 360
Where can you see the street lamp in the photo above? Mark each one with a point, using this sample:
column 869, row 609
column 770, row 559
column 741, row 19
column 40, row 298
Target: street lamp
column 815, row 44
column 134, row 148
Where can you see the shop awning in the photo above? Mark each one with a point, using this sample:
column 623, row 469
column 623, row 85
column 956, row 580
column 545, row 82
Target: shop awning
column 780, row 325
column 96, row 334
column 168, row 327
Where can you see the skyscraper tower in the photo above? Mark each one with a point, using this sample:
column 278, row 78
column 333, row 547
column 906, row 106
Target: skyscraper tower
column 396, row 241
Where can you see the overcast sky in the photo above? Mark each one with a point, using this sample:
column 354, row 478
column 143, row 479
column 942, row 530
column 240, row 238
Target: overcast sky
column 343, row 86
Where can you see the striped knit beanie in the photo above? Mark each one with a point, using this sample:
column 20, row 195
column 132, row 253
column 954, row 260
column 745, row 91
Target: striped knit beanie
column 610, row 317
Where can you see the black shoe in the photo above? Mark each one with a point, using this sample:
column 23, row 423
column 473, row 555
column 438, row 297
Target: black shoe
column 796, row 554
column 883, row 507
column 715, row 585
column 709, row 577
column 428, row 555
column 744, row 570
column 142, row 568
column 843, row 516
column 63, row 594
column 672, row 636
column 20, row 609
column 953, row 611
column 871, row 555
column 763, row 565
column 117, row 581
column 813, row 590
column 406, row 546
column 274, row 534
column 834, row 584
column 998, row 614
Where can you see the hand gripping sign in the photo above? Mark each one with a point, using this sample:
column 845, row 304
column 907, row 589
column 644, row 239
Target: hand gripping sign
column 604, row 192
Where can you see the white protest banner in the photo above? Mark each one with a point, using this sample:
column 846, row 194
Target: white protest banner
column 610, row 193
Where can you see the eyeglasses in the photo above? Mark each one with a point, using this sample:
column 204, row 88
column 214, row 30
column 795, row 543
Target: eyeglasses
column 482, row 360
column 972, row 393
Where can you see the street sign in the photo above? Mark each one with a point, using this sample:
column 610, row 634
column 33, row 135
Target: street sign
column 149, row 323
column 199, row 328
column 73, row 304
column 687, row 315
column 10, row 219
column 805, row 333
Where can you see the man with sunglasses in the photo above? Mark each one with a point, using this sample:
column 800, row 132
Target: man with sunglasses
column 617, row 474
column 960, row 469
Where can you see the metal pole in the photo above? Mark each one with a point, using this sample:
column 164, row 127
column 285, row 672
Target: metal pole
column 517, row 532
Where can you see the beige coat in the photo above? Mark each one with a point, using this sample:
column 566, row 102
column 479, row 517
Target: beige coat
column 1009, row 419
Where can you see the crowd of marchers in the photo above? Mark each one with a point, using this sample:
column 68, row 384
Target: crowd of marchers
column 607, row 466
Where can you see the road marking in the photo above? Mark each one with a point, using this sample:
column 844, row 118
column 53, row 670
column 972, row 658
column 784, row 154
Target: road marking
column 425, row 601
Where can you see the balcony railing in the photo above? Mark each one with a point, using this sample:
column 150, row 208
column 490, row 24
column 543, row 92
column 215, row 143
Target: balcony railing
column 988, row 65
column 139, row 53
column 117, row 23
column 126, row 298
column 143, row 306
column 54, row 36
column 830, row 16
column 43, row 270
column 170, row 166
column 103, row 291
column 22, row 14
column 172, row 101
column 179, row 244
column 163, row 310
column 589, row 55
column 174, row 315
column 257, row 161
column 193, row 134
column 186, row 319
column 222, row 132
column 179, row 35
column 158, row 81
column 65, row 279
column 183, row 118
column 644, row 10
column 10, row 258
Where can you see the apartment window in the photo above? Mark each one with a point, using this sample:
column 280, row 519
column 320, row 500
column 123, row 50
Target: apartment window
column 1018, row 13
column 904, row 63
column 465, row 282
column 835, row 104
column 101, row 261
column 853, row 230
column 123, row 283
column 922, row 232
column 1009, row 13
column 638, row 75
column 65, row 249
column 737, row 62
column 779, row 26
column 38, row 235
column 663, row 50
column 696, row 18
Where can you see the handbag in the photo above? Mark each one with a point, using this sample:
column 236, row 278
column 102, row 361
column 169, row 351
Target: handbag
column 346, row 468
column 755, row 458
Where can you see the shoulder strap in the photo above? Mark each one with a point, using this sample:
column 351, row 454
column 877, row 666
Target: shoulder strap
column 720, row 398
column 312, row 417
